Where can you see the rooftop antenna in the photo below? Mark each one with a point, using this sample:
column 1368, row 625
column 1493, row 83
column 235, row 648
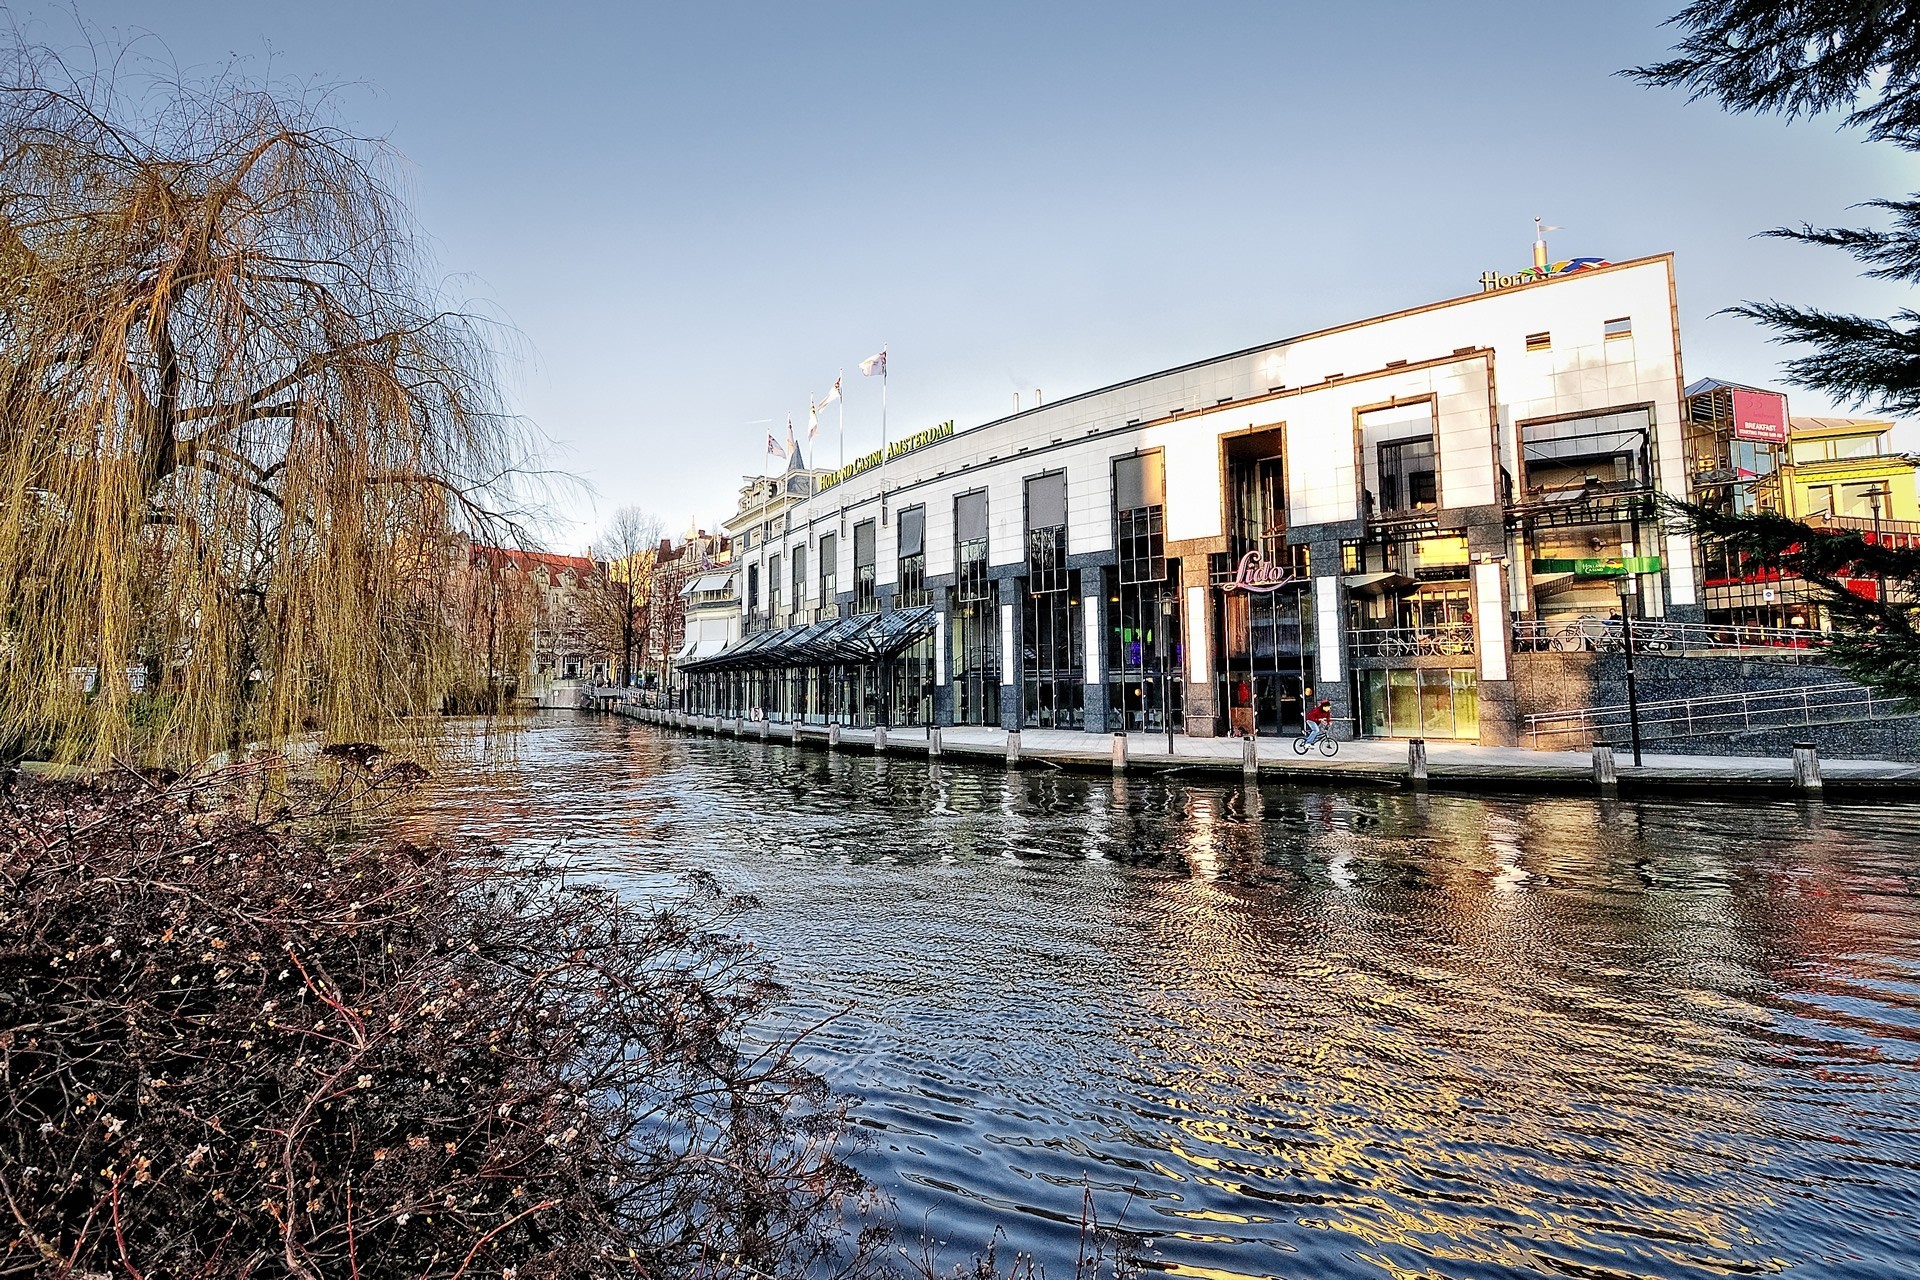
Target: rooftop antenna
column 1540, row 244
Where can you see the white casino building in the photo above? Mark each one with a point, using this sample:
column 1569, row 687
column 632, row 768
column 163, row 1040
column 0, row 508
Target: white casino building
column 1363, row 513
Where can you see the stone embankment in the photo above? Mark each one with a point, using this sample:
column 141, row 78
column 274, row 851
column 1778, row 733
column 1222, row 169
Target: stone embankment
column 1605, row 768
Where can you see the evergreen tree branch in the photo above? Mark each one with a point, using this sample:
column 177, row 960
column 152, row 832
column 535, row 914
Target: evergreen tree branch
column 1894, row 254
column 1800, row 58
column 1860, row 361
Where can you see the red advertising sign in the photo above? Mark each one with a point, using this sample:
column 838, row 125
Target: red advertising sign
column 1760, row 416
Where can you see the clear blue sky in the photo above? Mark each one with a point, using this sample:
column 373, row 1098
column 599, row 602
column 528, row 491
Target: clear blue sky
column 696, row 214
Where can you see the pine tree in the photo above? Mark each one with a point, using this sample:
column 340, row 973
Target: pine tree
column 1802, row 58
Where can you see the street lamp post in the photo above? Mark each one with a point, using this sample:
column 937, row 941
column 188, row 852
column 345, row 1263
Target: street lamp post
column 1880, row 579
column 1165, row 640
column 1629, row 598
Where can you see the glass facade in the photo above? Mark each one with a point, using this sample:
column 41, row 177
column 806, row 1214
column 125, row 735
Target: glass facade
column 1145, row 656
column 1052, row 636
column 974, row 643
column 1426, row 702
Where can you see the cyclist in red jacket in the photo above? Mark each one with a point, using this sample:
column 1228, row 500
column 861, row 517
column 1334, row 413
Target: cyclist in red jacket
column 1320, row 721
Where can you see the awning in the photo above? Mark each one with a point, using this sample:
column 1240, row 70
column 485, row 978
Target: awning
column 708, row 582
column 1547, row 584
column 695, row 650
column 1371, row 584
column 867, row 637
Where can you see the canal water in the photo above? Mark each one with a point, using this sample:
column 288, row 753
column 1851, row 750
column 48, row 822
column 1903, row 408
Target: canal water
column 1303, row 1032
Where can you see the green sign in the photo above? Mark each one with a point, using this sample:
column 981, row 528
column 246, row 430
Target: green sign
column 1599, row 567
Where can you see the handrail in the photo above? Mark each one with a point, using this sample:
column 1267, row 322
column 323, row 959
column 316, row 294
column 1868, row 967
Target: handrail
column 1594, row 634
column 1724, row 713
column 1396, row 642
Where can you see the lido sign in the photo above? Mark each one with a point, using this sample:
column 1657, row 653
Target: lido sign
column 1259, row 575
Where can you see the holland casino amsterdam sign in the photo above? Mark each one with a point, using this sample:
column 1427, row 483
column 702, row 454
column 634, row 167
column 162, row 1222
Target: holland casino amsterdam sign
column 919, row 440
column 1492, row 281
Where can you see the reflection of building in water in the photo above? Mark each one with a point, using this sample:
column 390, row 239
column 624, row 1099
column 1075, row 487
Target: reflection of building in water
column 1360, row 514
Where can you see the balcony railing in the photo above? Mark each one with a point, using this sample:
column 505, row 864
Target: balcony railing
column 1594, row 634
column 1446, row 639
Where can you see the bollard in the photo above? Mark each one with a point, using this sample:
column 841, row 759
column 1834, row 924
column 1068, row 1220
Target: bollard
column 1013, row 746
column 1119, row 750
column 1806, row 767
column 879, row 738
column 1417, row 762
column 933, row 740
column 1249, row 756
column 1605, row 775
column 833, row 736
column 765, row 729
column 739, row 726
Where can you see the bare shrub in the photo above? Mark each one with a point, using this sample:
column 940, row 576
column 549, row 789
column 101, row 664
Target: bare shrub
column 230, row 1048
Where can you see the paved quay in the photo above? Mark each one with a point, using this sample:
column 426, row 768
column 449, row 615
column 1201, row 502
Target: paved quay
column 1449, row 765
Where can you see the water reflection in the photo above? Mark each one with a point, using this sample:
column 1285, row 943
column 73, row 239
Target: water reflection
column 1304, row 1033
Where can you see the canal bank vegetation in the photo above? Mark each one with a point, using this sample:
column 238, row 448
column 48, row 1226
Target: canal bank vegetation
column 1860, row 58
column 250, row 439
column 234, row 1041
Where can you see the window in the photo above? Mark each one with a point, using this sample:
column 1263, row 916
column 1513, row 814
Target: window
column 911, row 579
column 1620, row 327
column 866, row 597
column 1139, row 497
column 800, row 576
column 1047, row 534
column 1574, row 457
column 975, row 640
column 1409, row 476
column 1539, row 341
column 829, row 570
column 773, row 584
column 753, row 588
column 970, row 546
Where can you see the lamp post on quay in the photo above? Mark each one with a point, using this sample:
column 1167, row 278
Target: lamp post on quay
column 1629, row 600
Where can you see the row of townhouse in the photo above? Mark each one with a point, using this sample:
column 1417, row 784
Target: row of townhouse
column 1398, row 514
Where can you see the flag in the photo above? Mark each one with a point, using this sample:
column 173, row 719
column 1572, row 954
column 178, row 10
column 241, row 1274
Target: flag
column 773, row 446
column 790, row 445
column 875, row 366
column 834, row 394
column 813, row 421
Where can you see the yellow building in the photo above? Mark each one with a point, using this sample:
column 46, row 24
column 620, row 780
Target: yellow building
column 1844, row 472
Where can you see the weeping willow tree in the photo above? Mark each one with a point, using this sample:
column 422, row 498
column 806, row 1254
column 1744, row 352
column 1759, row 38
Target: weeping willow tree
column 244, row 439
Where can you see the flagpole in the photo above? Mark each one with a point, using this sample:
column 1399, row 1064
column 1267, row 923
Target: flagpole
column 883, row 434
column 843, row 449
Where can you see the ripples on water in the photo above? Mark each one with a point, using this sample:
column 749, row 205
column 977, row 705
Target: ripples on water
column 1308, row 1032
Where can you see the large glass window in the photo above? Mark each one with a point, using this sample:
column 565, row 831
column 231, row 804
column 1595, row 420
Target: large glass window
column 911, row 574
column 1144, row 653
column 1583, row 457
column 1409, row 476
column 799, row 577
column 1047, row 533
column 773, row 587
column 866, row 598
column 1051, row 635
column 829, row 572
column 753, row 589
column 970, row 547
column 1420, row 703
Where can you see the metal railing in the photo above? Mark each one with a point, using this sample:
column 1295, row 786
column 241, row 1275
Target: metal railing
column 1448, row 638
column 1594, row 634
column 1721, row 713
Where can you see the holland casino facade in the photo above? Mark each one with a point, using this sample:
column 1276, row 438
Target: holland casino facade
column 1383, row 513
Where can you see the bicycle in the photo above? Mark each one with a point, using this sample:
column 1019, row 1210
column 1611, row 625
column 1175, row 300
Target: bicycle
column 1328, row 744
